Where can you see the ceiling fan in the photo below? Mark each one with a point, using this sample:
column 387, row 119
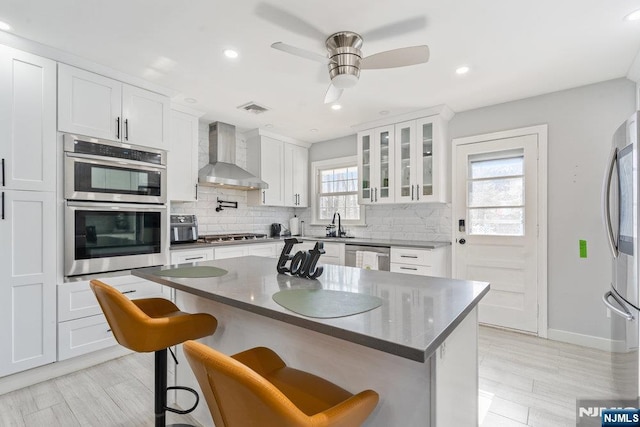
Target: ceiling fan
column 344, row 57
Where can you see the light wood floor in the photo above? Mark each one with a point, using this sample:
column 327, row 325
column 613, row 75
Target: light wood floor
column 524, row 381
column 529, row 381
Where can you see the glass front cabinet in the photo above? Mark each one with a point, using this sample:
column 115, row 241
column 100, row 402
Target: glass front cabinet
column 376, row 165
column 404, row 163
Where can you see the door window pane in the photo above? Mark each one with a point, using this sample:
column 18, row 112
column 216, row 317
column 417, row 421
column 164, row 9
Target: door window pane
column 495, row 196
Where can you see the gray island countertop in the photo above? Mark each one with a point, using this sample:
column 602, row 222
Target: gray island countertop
column 416, row 316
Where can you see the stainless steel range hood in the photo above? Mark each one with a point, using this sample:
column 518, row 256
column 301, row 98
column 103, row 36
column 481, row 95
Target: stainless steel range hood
column 222, row 170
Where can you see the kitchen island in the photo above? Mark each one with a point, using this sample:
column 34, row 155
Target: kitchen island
column 418, row 350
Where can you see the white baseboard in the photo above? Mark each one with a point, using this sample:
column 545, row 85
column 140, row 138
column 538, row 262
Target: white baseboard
column 57, row 369
column 605, row 344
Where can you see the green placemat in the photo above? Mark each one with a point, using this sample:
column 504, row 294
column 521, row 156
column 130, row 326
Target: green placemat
column 324, row 303
column 193, row 272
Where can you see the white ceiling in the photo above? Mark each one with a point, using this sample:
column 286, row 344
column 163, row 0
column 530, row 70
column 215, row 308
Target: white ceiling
column 515, row 48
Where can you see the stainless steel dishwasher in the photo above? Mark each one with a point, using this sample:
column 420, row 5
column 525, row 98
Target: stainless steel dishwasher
column 382, row 251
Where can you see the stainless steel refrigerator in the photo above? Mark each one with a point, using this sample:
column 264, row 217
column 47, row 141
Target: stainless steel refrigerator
column 620, row 212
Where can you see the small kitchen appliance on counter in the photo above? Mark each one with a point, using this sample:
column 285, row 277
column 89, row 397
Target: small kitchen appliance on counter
column 278, row 230
column 184, row 228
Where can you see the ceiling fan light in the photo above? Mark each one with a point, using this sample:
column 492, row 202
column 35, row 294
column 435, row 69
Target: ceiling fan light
column 344, row 81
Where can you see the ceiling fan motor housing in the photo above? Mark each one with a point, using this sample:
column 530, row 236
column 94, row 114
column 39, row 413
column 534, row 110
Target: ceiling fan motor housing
column 344, row 52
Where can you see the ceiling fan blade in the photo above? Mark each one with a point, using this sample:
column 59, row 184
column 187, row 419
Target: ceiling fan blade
column 395, row 29
column 288, row 21
column 333, row 94
column 396, row 58
column 300, row 52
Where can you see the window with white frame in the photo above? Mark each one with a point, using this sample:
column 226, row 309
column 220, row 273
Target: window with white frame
column 335, row 185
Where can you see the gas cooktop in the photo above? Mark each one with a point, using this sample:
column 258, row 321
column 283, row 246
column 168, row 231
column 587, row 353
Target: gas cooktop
column 213, row 238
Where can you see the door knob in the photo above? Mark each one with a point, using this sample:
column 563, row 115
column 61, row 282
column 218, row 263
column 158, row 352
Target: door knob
column 462, row 241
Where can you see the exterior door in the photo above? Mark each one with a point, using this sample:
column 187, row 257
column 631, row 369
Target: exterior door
column 495, row 217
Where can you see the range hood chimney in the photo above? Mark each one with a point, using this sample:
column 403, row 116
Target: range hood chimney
column 222, row 170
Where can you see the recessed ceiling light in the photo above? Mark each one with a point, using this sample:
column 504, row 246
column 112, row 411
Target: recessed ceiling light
column 633, row 16
column 313, row 130
column 190, row 100
column 336, row 107
column 462, row 70
column 384, row 112
column 268, row 125
column 230, row 53
column 4, row 26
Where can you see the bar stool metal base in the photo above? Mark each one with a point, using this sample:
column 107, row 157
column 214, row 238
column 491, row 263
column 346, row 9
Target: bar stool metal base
column 160, row 391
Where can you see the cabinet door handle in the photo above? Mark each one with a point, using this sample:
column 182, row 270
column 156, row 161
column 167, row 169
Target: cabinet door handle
column 376, row 194
column 408, row 256
column 417, row 192
column 3, row 184
column 263, row 193
column 196, row 191
column 129, row 292
column 371, row 193
column 117, row 127
column 3, row 205
column 412, row 191
column 126, row 129
column 192, row 258
column 408, row 268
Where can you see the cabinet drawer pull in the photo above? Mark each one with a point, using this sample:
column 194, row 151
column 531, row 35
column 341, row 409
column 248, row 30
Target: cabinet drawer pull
column 409, row 256
column 129, row 292
column 108, row 331
column 194, row 257
column 408, row 268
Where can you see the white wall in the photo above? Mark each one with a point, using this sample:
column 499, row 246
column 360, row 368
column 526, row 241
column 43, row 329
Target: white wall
column 242, row 220
column 581, row 123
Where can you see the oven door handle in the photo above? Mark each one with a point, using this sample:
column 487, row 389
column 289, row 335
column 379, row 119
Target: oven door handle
column 99, row 160
column 115, row 206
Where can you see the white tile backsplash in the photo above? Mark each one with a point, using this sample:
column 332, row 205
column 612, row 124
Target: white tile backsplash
column 422, row 222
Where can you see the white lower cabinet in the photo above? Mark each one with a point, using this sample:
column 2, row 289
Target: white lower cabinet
column 255, row 249
column 421, row 262
column 183, row 256
column 333, row 252
column 82, row 327
column 28, row 278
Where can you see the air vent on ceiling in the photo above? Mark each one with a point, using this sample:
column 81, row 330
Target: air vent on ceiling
column 254, row 108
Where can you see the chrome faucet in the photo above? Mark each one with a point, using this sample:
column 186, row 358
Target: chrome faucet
column 333, row 221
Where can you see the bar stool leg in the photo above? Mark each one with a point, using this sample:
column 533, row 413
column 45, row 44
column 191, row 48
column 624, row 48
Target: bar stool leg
column 160, row 387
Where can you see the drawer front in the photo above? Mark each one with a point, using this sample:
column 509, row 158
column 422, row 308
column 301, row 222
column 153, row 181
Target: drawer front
column 195, row 255
column 268, row 250
column 412, row 256
column 76, row 299
column 230, row 252
column 418, row 270
column 82, row 336
column 330, row 249
column 324, row 259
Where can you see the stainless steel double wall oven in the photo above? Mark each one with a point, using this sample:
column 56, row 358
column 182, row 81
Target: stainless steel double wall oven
column 115, row 207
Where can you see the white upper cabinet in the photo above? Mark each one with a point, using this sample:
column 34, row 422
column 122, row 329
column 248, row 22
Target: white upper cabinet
column 296, row 167
column 282, row 165
column 404, row 163
column 376, row 165
column 27, row 121
column 94, row 105
column 182, row 163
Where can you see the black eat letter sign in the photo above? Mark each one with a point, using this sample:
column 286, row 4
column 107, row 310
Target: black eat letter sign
column 303, row 263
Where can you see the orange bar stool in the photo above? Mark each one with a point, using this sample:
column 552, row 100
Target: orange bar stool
column 256, row 388
column 152, row 324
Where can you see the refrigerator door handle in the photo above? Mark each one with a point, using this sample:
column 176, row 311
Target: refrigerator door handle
column 606, row 209
column 626, row 314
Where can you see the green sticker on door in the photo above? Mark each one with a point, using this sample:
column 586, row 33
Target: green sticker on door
column 583, row 248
